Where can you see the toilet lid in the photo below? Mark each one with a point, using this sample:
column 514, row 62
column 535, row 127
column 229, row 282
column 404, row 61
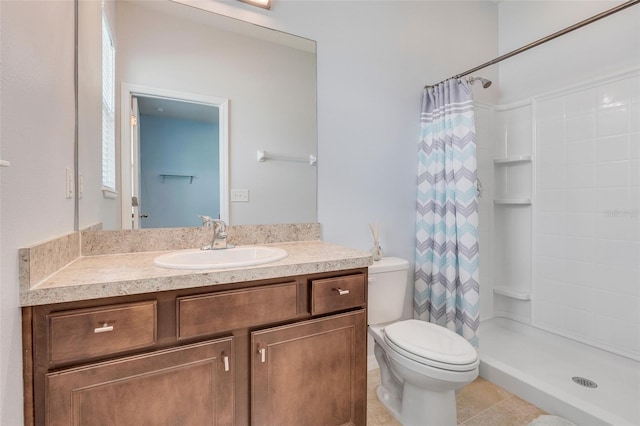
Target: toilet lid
column 431, row 344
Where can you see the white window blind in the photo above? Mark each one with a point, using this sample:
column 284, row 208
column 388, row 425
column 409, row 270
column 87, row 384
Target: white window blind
column 108, row 109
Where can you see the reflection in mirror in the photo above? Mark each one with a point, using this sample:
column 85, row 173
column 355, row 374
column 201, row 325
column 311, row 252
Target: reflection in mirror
column 269, row 80
column 179, row 157
column 170, row 138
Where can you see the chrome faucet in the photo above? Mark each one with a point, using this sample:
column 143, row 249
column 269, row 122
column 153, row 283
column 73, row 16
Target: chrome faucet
column 219, row 239
column 219, row 235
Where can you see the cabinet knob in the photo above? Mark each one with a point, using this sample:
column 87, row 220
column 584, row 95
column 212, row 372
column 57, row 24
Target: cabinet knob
column 341, row 292
column 105, row 327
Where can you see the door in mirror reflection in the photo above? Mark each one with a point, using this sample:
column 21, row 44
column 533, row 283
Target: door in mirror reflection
column 178, row 177
column 174, row 158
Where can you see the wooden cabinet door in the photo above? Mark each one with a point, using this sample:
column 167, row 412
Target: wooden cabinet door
column 188, row 385
column 310, row 373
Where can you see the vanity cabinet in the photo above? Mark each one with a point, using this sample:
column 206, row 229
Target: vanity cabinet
column 280, row 352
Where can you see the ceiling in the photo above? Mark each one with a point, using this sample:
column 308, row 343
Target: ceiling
column 171, row 108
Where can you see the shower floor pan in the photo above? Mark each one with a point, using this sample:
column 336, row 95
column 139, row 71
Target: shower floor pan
column 538, row 366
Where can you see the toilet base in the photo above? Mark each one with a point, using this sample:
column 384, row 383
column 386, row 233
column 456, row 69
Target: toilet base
column 390, row 401
column 420, row 407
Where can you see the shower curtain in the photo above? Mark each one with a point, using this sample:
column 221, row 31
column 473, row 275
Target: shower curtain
column 447, row 267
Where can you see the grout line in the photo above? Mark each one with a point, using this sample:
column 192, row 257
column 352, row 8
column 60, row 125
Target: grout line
column 486, row 409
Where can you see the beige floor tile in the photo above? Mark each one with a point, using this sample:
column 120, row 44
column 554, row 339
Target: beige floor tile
column 481, row 403
column 373, row 378
column 477, row 397
column 512, row 411
column 377, row 415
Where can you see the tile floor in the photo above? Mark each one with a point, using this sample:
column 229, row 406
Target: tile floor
column 481, row 403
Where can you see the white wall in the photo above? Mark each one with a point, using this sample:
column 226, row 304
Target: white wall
column 373, row 60
column 601, row 48
column 37, row 122
column 2, row 353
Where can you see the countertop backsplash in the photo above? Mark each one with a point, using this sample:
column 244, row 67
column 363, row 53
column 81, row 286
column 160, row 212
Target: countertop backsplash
column 40, row 260
column 155, row 239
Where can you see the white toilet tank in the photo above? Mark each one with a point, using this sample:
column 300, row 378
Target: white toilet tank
column 387, row 290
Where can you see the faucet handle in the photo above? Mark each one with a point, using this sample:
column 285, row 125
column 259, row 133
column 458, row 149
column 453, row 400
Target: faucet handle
column 207, row 221
column 219, row 226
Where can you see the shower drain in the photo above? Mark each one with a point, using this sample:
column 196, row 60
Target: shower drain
column 585, row 382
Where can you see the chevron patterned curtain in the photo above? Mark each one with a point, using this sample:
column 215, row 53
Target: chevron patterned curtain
column 446, row 267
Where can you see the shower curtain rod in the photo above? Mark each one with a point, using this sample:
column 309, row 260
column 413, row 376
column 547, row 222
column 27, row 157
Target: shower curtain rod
column 546, row 39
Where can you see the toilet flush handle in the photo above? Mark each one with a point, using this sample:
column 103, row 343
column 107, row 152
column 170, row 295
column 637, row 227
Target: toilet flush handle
column 341, row 291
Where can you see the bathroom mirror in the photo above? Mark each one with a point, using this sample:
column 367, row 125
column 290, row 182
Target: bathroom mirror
column 266, row 80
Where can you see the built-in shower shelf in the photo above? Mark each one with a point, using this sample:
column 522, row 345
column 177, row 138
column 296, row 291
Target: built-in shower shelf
column 513, row 294
column 513, row 201
column 512, row 160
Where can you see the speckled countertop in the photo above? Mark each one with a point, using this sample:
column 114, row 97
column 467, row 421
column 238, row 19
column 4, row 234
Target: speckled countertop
column 91, row 277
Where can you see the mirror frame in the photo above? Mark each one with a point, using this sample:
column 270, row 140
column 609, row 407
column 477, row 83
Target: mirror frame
column 76, row 96
column 127, row 91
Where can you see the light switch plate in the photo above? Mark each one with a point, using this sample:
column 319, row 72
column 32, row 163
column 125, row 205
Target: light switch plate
column 239, row 195
column 80, row 185
column 69, row 183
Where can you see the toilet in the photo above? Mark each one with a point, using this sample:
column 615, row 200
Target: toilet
column 421, row 364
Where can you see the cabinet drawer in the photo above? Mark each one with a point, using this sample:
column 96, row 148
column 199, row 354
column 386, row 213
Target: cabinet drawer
column 231, row 310
column 335, row 294
column 88, row 333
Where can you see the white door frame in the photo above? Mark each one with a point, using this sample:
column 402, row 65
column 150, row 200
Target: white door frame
column 135, row 159
column 126, row 93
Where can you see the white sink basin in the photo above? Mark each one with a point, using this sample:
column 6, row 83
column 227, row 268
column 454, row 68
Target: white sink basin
column 217, row 259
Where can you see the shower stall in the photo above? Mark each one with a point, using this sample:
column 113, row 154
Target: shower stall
column 559, row 160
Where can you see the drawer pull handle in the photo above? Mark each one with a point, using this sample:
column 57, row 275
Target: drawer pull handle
column 263, row 354
column 341, row 292
column 225, row 360
column 105, row 327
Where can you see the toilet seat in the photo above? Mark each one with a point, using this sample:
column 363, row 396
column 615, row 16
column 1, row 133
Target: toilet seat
column 432, row 345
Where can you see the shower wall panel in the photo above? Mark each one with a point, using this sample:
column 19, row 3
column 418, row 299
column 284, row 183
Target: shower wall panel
column 587, row 214
column 483, row 122
column 512, row 211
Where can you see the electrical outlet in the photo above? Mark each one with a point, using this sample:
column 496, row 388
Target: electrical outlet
column 239, row 195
